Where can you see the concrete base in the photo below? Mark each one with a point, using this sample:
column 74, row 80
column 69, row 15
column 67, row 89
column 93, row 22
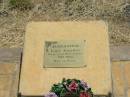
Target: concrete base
column 36, row 80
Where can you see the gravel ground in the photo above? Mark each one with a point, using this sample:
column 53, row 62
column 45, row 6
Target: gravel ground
column 13, row 21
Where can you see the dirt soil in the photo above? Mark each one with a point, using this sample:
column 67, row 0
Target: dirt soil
column 13, row 21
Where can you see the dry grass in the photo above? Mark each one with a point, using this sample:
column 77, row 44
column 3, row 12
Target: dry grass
column 12, row 26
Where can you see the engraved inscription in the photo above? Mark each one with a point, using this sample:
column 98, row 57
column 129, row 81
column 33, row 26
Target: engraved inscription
column 69, row 53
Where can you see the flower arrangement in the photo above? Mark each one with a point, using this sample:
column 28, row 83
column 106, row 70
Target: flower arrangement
column 70, row 88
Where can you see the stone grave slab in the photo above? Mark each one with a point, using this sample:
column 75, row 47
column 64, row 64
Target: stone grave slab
column 47, row 56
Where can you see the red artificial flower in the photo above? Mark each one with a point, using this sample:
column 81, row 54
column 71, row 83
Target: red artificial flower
column 84, row 94
column 73, row 86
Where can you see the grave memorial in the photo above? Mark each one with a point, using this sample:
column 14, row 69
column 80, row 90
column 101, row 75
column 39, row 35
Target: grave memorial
column 56, row 50
column 64, row 53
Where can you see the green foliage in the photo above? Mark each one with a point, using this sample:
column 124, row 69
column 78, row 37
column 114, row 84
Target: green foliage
column 71, row 88
column 21, row 4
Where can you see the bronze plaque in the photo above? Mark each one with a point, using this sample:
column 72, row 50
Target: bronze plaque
column 66, row 53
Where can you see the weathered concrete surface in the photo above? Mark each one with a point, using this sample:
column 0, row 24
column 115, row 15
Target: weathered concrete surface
column 128, row 93
column 5, row 85
column 121, row 78
column 120, row 52
column 96, row 56
column 8, row 55
column 127, row 73
column 118, row 80
column 9, row 71
column 120, row 57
